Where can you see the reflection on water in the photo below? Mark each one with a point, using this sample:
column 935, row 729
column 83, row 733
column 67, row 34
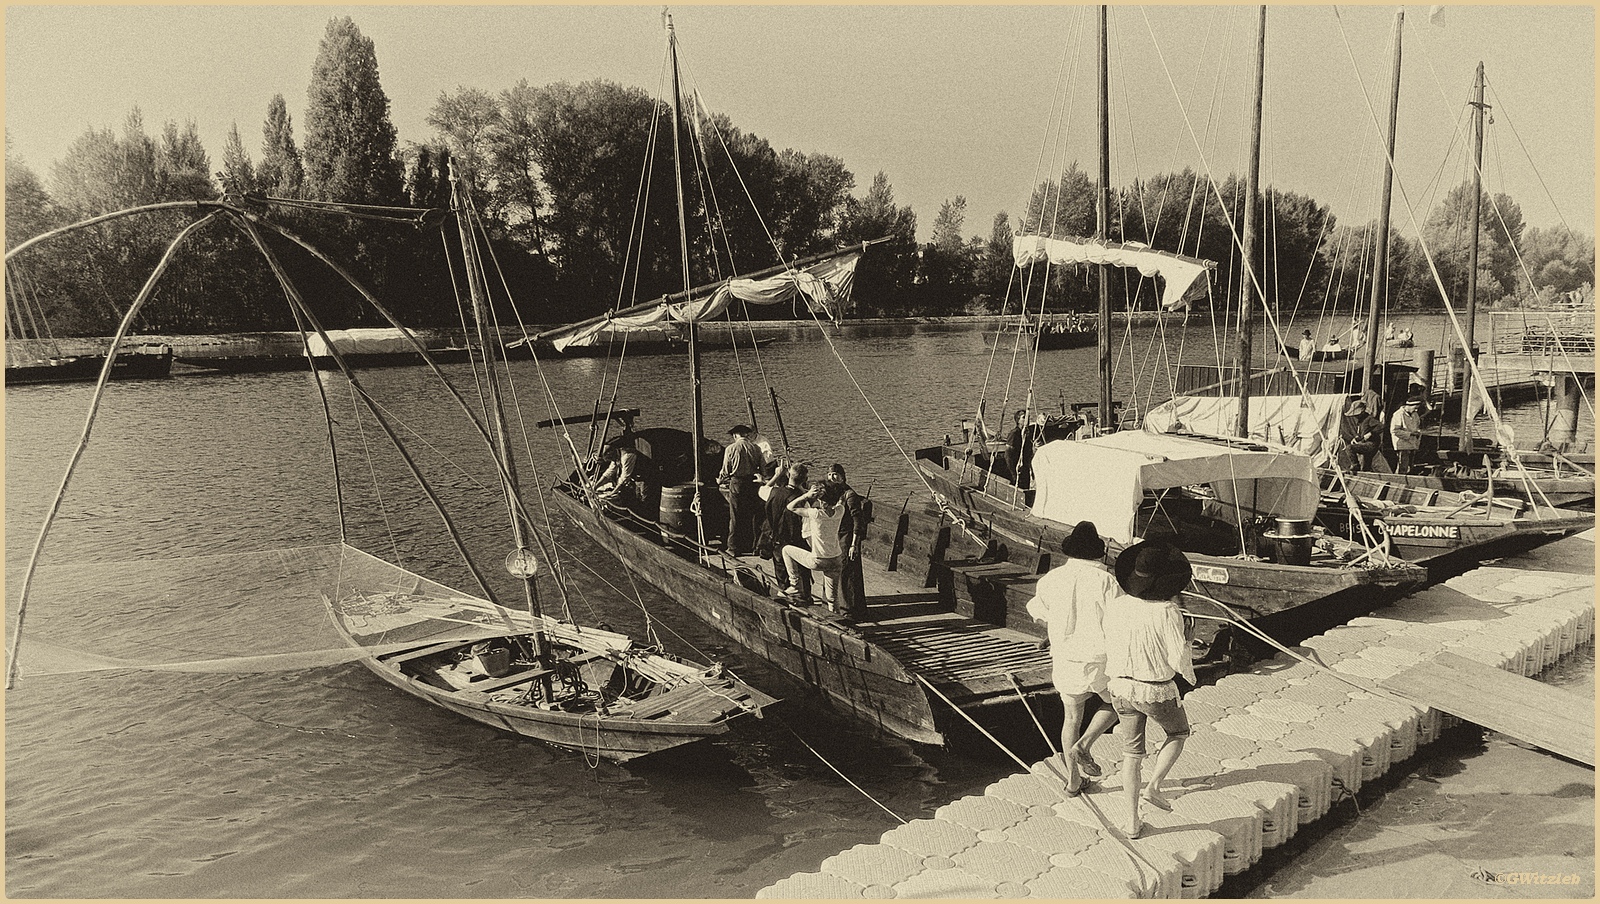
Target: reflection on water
column 328, row 783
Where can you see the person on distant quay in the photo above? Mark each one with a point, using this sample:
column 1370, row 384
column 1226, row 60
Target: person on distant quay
column 1071, row 602
column 783, row 526
column 820, row 515
column 1308, row 346
column 741, row 462
column 1361, row 433
column 1405, row 432
column 852, row 593
column 1147, row 647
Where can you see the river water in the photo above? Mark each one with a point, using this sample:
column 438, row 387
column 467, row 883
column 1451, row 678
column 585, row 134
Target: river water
column 325, row 782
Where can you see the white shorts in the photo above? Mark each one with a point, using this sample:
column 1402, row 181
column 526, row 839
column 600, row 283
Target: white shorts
column 1079, row 678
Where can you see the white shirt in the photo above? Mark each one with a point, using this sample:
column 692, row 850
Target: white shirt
column 1071, row 601
column 1144, row 640
column 822, row 529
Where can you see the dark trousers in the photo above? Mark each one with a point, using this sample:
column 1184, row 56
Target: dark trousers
column 744, row 512
column 779, row 570
column 852, row 591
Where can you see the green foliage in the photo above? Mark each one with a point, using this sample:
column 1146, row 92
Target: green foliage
column 238, row 173
column 886, row 287
column 281, row 174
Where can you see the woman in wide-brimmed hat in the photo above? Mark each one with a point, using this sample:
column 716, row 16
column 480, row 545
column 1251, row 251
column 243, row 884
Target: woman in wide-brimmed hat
column 1146, row 649
column 1071, row 602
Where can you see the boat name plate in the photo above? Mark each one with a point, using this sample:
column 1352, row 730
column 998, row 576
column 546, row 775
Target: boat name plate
column 1210, row 574
column 1425, row 531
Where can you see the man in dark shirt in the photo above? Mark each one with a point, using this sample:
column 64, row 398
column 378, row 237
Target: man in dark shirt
column 1361, row 433
column 783, row 525
column 852, row 532
column 741, row 462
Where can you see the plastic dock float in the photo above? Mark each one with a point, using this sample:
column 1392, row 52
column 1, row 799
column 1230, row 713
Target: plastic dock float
column 1271, row 751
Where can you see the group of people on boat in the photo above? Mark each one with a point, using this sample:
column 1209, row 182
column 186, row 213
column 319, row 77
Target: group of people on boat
column 1361, row 434
column 804, row 528
column 1119, row 641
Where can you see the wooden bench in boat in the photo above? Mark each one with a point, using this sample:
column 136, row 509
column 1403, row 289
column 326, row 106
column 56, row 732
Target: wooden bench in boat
column 409, row 656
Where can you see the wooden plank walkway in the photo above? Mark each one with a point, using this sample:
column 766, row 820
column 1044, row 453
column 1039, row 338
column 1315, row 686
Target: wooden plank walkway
column 1558, row 721
column 1272, row 750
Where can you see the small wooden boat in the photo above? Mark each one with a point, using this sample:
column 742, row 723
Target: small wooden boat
column 1426, row 525
column 595, row 691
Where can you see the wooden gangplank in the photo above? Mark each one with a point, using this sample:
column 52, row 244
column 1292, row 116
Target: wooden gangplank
column 1523, row 708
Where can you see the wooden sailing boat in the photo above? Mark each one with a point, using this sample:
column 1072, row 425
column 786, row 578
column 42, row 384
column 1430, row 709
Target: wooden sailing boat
column 577, row 687
column 886, row 668
column 1205, row 493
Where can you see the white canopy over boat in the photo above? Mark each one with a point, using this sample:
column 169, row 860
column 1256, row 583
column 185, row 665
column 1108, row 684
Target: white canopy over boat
column 1104, row 479
column 1185, row 279
column 361, row 341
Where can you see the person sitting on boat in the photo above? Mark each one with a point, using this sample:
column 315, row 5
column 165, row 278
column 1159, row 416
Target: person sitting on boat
column 1358, row 333
column 1308, row 346
column 1333, row 347
column 1389, row 335
column 1405, row 432
column 1071, row 603
column 1360, row 433
column 741, row 462
column 852, row 591
column 615, row 484
column 1147, row 647
column 820, row 514
column 783, row 526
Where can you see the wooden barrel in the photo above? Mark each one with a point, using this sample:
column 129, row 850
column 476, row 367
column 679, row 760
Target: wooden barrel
column 676, row 518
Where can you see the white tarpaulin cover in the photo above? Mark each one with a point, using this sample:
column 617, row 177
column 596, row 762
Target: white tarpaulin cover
column 1305, row 424
column 377, row 340
column 824, row 287
column 1185, row 278
column 1104, row 479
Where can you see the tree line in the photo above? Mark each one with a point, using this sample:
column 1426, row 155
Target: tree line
column 568, row 178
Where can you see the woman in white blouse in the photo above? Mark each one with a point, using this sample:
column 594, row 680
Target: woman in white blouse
column 1147, row 647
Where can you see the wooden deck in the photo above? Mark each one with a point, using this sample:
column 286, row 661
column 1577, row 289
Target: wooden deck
column 1271, row 751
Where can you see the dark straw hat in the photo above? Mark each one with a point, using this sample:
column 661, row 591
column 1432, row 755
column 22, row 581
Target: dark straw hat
column 739, row 430
column 1355, row 408
column 1084, row 542
column 1153, row 570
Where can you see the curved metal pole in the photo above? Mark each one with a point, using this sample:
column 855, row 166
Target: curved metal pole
column 83, row 439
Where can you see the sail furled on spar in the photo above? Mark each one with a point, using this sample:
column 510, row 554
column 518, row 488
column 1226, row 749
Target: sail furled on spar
column 824, row 285
column 1185, row 279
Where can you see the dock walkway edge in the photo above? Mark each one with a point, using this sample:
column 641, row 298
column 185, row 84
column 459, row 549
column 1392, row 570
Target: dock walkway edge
column 1271, row 751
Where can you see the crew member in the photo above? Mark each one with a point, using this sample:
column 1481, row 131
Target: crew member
column 741, row 462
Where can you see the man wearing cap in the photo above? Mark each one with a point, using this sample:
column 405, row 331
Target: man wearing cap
column 1147, row 647
column 741, row 462
column 1405, row 431
column 852, row 596
column 1071, row 602
column 1360, row 432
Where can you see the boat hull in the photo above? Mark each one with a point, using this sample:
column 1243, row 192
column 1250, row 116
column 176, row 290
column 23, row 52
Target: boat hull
column 853, row 674
column 86, row 369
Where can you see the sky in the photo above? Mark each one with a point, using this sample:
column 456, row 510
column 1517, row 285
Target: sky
column 976, row 101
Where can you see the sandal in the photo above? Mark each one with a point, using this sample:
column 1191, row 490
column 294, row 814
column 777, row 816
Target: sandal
column 1157, row 801
column 1086, row 763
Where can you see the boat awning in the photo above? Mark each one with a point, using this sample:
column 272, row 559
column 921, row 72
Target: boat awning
column 361, row 341
column 1104, row 479
column 1184, row 279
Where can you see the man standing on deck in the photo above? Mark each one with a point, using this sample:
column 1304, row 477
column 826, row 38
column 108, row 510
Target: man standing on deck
column 852, row 597
column 1071, row 602
column 741, row 462
column 1405, row 431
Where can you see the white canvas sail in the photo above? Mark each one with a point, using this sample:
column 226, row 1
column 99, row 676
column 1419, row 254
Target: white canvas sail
column 824, row 287
column 1184, row 279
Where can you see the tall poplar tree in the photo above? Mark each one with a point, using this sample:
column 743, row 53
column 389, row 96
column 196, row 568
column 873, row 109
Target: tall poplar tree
column 350, row 142
column 281, row 173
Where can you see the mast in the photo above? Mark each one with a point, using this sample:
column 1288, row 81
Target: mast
column 1103, row 226
column 502, row 444
column 1470, row 352
column 1252, row 188
column 1380, row 257
column 695, row 414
